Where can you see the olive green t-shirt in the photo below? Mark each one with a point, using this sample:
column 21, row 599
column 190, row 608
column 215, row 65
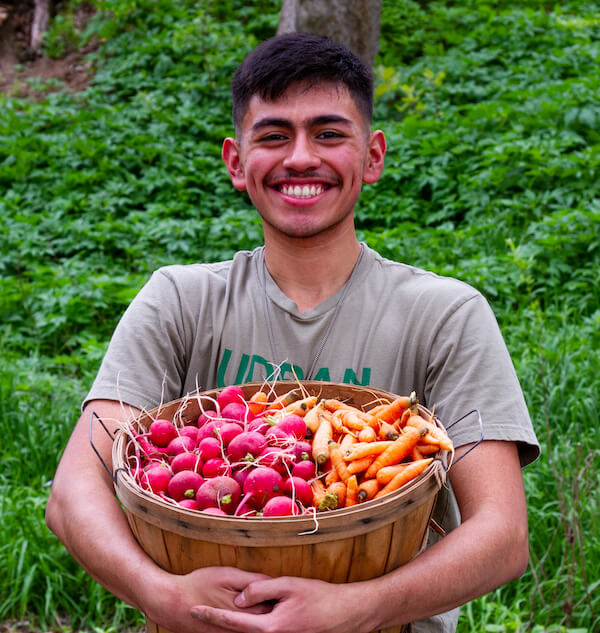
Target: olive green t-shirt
column 392, row 326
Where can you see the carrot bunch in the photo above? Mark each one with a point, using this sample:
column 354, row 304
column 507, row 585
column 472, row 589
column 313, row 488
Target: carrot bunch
column 363, row 455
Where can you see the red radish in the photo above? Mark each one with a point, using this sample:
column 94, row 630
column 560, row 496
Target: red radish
column 240, row 475
column 189, row 431
column 206, row 416
column 259, row 424
column 278, row 437
column 186, row 461
column 184, row 485
column 261, row 484
column 302, row 451
column 210, row 429
column 156, row 478
column 246, row 446
column 148, row 448
column 293, row 425
column 215, row 466
column 236, row 411
column 220, row 492
column 245, row 511
column 190, row 504
column 181, row 444
column 233, row 393
column 277, row 458
column 210, row 447
column 216, row 511
column 299, row 489
column 305, row 469
column 228, row 431
column 280, row 506
column 161, row 432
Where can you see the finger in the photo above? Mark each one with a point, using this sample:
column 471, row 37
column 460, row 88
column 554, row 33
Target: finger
column 238, row 621
column 239, row 579
column 261, row 591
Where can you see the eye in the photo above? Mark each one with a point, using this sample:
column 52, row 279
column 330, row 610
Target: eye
column 273, row 137
column 329, row 134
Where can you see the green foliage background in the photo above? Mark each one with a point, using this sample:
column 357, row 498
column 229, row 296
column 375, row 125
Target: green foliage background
column 492, row 114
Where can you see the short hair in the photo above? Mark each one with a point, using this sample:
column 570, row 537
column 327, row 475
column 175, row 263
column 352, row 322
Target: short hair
column 277, row 63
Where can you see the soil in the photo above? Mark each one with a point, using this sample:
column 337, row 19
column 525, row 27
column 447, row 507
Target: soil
column 18, row 63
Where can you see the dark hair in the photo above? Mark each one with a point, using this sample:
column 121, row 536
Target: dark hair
column 277, row 63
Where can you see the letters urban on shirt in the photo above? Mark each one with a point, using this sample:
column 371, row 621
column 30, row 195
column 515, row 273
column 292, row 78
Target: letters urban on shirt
column 253, row 367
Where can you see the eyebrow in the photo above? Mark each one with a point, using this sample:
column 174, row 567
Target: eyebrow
column 323, row 119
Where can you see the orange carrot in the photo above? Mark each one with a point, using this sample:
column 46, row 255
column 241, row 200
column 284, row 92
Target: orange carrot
column 258, row 402
column 285, row 399
column 337, row 460
column 364, row 449
column 399, row 449
column 394, row 410
column 320, row 449
column 440, row 435
column 318, row 488
column 356, row 418
column 378, row 409
column 387, row 473
column 337, row 422
column 368, row 434
column 347, row 441
column 312, row 419
column 335, row 496
column 427, row 449
column 416, row 454
column 300, row 407
column 357, row 466
column 367, row 490
column 387, row 431
column 332, row 475
column 401, row 421
column 410, row 472
column 351, row 491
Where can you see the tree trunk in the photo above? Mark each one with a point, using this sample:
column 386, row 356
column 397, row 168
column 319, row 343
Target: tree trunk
column 41, row 15
column 353, row 23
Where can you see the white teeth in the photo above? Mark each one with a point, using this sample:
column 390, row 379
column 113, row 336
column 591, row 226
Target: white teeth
column 304, row 191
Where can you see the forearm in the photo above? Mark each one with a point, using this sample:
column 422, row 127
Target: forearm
column 101, row 541
column 84, row 514
column 488, row 549
column 468, row 562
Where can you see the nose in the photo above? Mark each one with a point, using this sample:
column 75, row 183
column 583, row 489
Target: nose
column 302, row 155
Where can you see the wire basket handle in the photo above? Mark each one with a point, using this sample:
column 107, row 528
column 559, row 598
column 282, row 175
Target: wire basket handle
column 112, row 437
column 480, row 432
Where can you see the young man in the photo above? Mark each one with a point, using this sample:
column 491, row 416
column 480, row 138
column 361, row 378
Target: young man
column 315, row 302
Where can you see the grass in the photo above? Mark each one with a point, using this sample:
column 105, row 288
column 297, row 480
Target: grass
column 492, row 117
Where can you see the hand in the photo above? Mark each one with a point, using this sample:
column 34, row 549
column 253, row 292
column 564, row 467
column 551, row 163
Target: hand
column 302, row 606
column 170, row 604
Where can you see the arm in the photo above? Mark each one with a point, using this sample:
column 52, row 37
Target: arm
column 86, row 516
column 488, row 549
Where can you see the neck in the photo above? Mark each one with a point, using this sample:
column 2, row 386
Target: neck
column 310, row 270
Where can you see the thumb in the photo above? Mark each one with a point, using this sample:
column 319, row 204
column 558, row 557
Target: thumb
column 260, row 591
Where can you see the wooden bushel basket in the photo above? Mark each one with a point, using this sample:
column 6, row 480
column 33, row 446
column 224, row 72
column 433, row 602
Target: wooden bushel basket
column 345, row 545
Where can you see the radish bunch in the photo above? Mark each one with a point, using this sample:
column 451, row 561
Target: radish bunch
column 242, row 458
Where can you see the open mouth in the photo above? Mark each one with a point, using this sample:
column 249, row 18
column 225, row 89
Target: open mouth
column 303, row 191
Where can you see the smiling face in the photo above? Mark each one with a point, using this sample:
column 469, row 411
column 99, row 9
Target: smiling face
column 303, row 159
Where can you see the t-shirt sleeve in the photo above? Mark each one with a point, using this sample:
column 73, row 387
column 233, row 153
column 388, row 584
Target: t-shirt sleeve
column 472, row 381
column 144, row 363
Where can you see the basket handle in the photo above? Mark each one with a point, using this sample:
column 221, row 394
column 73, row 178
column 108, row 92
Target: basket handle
column 480, row 432
column 112, row 437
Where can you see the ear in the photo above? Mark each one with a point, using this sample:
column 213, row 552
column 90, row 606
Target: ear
column 235, row 168
column 376, row 154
